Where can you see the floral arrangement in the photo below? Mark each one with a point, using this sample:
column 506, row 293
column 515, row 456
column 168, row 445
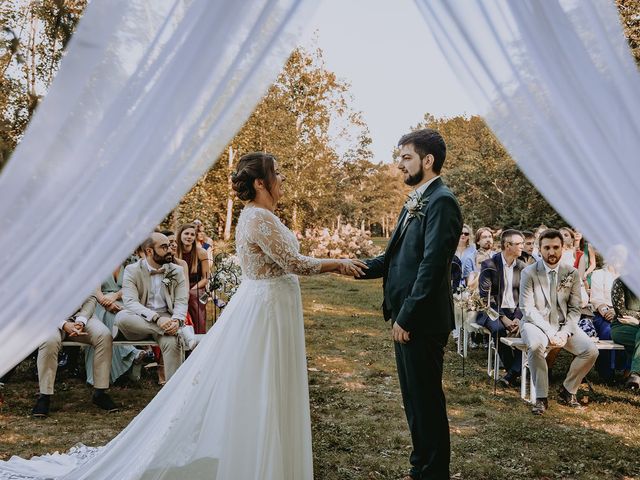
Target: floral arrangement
column 344, row 242
column 414, row 206
column 169, row 278
column 224, row 279
column 566, row 282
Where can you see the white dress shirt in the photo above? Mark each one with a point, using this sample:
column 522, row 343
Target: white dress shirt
column 507, row 295
column 155, row 299
column 601, row 283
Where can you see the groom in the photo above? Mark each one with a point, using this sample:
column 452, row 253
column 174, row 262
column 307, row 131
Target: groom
column 416, row 270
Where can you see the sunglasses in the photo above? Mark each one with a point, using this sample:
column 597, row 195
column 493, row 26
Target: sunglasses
column 466, row 234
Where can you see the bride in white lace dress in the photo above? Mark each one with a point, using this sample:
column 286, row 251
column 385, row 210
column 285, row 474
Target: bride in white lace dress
column 238, row 408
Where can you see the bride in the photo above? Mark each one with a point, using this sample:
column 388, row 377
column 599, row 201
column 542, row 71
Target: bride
column 238, row 408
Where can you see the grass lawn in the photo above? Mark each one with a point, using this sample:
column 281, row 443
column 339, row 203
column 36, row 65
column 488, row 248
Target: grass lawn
column 359, row 430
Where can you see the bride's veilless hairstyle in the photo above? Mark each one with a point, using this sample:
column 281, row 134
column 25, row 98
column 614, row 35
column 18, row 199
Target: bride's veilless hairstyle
column 252, row 166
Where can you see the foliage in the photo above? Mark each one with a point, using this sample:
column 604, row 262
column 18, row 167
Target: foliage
column 490, row 187
column 322, row 147
column 34, row 35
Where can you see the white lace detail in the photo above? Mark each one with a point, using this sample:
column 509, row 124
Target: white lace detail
column 267, row 248
column 76, row 456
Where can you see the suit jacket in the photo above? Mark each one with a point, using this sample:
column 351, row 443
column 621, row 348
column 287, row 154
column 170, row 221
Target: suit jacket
column 534, row 298
column 491, row 285
column 135, row 290
column 416, row 266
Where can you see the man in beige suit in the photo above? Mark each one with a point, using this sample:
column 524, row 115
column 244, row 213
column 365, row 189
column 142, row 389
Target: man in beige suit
column 82, row 327
column 155, row 296
column 550, row 303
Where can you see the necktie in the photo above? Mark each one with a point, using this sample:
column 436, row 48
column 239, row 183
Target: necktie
column 553, row 298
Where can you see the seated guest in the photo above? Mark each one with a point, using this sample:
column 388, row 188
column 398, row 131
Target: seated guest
column 568, row 247
column 198, row 262
column 500, row 285
column 603, row 313
column 471, row 264
column 550, row 304
column 109, row 296
column 155, row 297
column 625, row 329
column 529, row 246
column 82, row 327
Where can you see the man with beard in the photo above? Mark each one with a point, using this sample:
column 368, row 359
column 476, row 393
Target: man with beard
column 416, row 269
column 550, row 303
column 155, row 296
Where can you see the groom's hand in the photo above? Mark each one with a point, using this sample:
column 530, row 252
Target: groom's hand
column 400, row 335
column 352, row 267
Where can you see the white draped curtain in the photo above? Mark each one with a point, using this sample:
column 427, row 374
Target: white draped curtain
column 558, row 86
column 147, row 96
column 150, row 92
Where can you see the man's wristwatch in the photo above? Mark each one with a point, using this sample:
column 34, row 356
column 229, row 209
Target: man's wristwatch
column 155, row 318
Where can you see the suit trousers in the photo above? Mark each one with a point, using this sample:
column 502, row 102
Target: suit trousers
column 420, row 363
column 134, row 327
column 537, row 342
column 98, row 335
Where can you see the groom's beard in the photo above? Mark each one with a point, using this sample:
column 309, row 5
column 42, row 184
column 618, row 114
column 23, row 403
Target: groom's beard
column 416, row 178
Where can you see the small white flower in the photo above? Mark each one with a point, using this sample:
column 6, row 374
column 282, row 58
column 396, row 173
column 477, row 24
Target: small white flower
column 414, row 206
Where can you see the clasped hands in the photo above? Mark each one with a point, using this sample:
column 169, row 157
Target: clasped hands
column 110, row 302
column 74, row 329
column 168, row 325
column 558, row 340
column 351, row 267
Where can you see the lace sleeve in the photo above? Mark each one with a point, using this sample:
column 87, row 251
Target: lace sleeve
column 279, row 244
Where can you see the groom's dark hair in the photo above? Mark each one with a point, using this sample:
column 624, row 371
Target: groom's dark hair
column 427, row 141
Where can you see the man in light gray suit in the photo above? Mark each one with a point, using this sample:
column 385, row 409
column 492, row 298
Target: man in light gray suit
column 550, row 303
column 155, row 297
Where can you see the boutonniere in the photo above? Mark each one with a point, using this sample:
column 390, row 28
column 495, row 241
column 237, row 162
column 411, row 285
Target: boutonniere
column 566, row 282
column 169, row 278
column 414, row 206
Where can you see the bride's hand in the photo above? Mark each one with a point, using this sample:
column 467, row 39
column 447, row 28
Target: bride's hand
column 351, row 267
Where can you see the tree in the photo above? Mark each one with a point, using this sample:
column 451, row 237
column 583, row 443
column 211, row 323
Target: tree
column 34, row 35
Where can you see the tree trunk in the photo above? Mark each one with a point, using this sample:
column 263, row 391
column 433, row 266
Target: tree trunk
column 227, row 225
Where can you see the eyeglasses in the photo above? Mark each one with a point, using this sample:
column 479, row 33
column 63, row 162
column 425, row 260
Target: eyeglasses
column 466, row 234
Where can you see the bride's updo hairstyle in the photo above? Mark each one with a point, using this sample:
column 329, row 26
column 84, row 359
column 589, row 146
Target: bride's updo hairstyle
column 253, row 166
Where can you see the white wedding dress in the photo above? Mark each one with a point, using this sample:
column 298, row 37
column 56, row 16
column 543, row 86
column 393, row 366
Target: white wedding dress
column 238, row 408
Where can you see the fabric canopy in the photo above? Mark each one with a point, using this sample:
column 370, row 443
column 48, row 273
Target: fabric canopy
column 150, row 92
column 148, row 95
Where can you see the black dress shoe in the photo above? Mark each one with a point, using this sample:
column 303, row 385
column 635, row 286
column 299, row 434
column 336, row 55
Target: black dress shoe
column 568, row 399
column 103, row 401
column 541, row 406
column 41, row 408
column 633, row 382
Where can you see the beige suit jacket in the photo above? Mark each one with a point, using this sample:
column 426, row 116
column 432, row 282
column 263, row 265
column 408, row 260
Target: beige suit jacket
column 534, row 298
column 135, row 290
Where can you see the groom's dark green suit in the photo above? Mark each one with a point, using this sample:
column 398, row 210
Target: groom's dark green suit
column 416, row 270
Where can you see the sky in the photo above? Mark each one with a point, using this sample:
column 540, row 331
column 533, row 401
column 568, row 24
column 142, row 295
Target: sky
column 397, row 73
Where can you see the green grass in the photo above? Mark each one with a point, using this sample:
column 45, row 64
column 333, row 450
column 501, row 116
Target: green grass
column 359, row 429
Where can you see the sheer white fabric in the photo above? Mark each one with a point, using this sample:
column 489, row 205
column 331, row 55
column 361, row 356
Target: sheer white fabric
column 556, row 83
column 148, row 95
column 238, row 408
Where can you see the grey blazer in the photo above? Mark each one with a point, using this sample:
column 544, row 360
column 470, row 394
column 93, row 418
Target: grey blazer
column 534, row 298
column 135, row 290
